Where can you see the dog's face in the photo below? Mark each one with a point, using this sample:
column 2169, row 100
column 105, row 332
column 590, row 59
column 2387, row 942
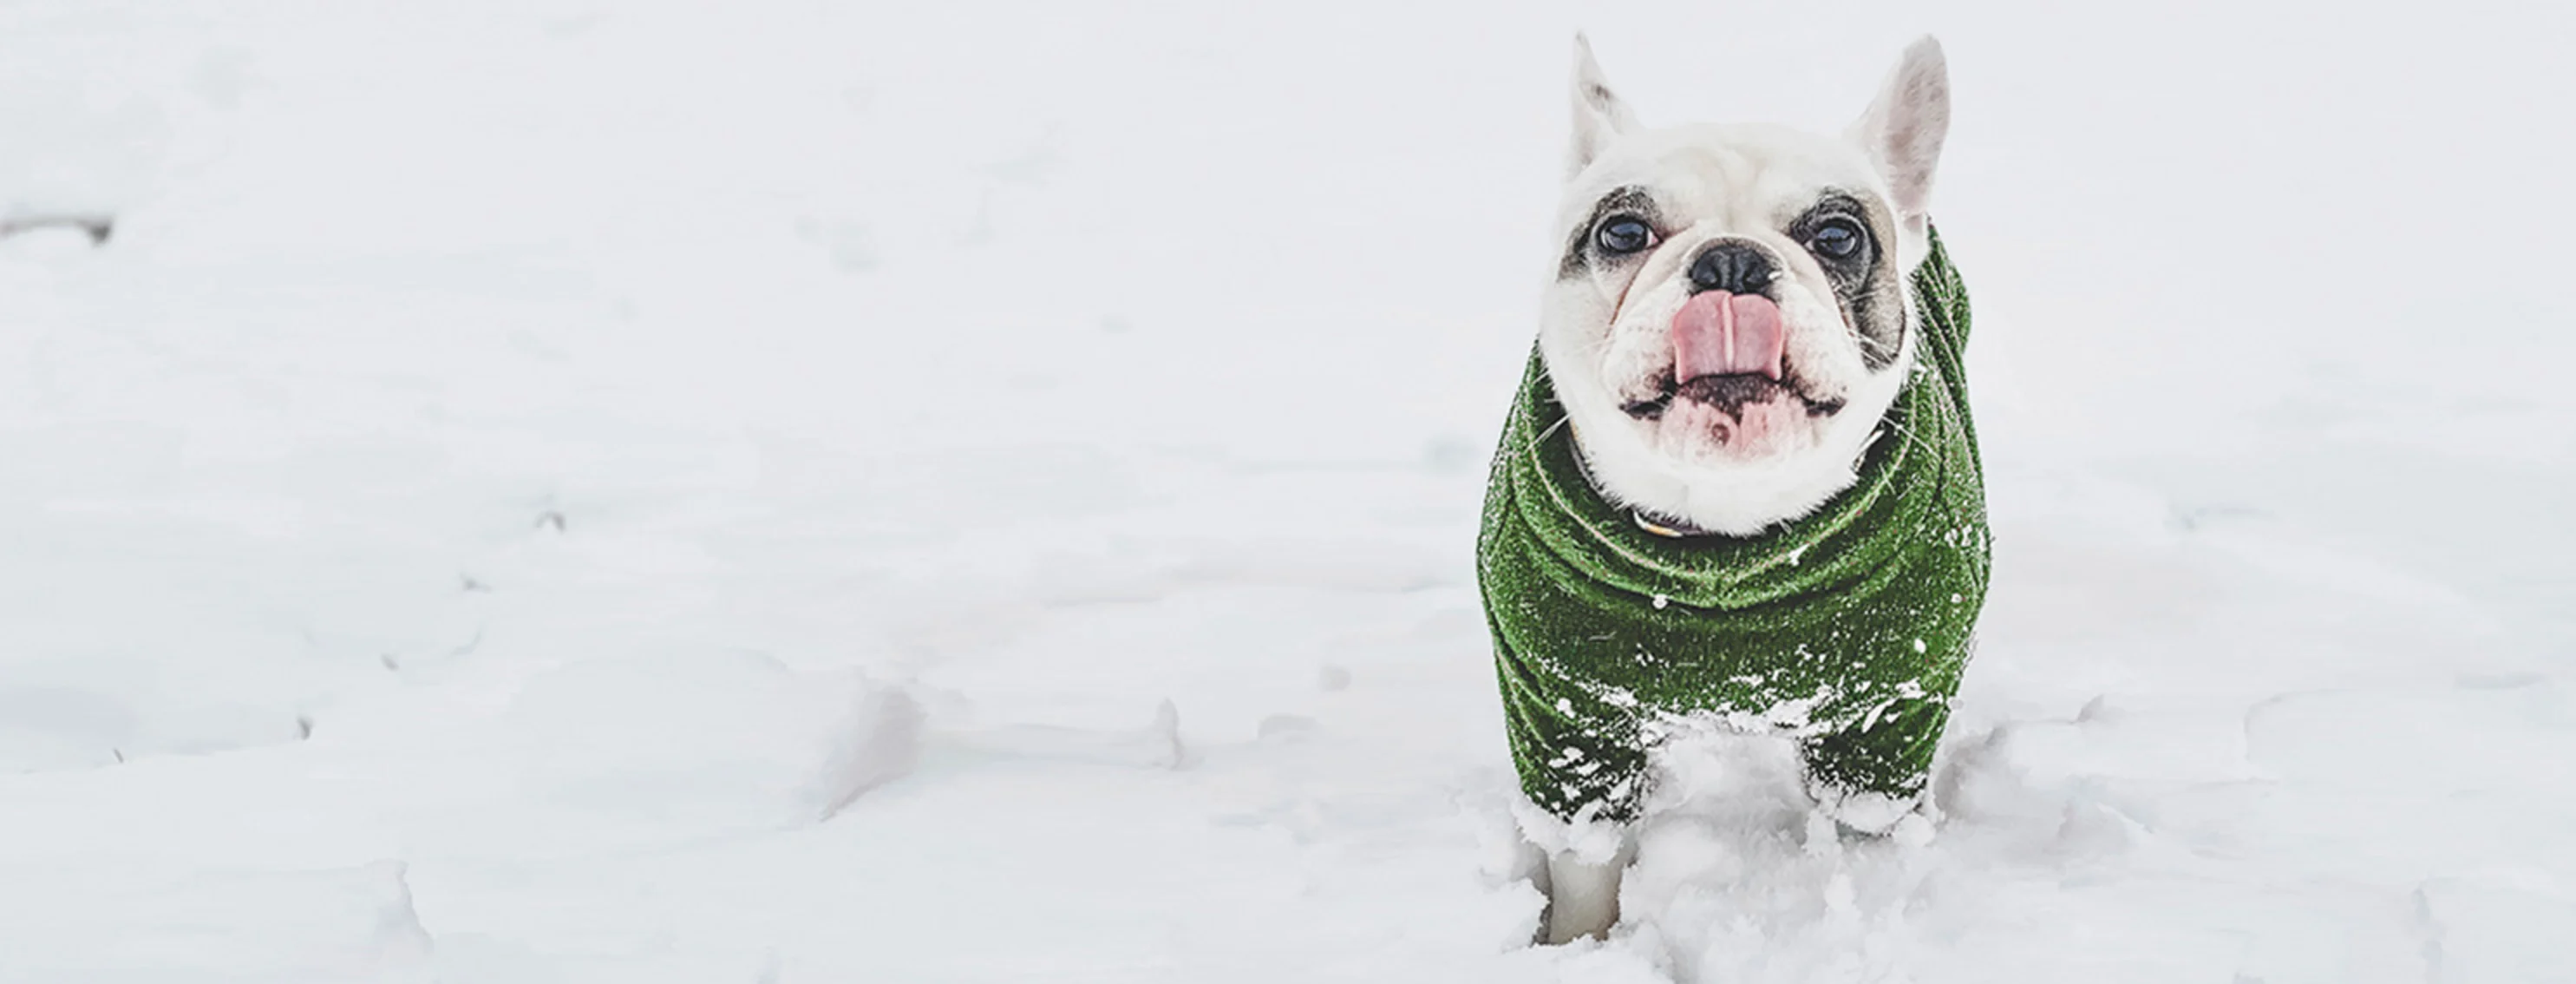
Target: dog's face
column 1730, row 317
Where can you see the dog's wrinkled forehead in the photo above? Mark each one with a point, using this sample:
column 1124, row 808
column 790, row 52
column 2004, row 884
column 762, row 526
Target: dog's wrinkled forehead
column 1739, row 178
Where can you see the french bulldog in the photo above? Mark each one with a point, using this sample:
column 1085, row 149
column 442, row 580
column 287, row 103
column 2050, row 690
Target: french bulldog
column 1740, row 484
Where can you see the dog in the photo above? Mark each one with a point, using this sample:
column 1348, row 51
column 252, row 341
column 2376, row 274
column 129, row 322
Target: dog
column 1739, row 483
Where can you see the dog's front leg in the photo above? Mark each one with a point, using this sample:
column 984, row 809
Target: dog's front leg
column 1583, row 895
column 1868, row 780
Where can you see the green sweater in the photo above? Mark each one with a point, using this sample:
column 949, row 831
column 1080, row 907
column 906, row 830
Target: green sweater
column 1847, row 628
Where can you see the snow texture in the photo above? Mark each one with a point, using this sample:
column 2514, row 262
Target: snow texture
column 781, row 491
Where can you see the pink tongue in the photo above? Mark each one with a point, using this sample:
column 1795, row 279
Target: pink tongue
column 1721, row 334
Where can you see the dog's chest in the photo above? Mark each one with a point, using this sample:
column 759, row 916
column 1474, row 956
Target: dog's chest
column 1813, row 627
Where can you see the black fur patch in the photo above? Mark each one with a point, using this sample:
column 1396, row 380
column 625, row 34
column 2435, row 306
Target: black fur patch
column 1868, row 287
column 1581, row 252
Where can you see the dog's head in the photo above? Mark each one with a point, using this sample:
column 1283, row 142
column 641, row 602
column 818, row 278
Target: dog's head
column 1730, row 315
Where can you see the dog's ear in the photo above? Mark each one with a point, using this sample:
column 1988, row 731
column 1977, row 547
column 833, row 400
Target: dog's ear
column 1599, row 116
column 1903, row 129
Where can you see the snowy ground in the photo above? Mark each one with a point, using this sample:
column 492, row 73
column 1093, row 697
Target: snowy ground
column 586, row 491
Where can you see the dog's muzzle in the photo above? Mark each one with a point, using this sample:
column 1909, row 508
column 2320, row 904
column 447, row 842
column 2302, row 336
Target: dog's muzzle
column 1729, row 339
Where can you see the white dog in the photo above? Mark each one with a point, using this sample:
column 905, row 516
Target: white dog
column 1740, row 483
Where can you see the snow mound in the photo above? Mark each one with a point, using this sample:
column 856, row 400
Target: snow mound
column 711, row 740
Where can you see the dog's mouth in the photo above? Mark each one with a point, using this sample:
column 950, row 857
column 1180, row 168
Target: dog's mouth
column 1729, row 353
column 1728, row 394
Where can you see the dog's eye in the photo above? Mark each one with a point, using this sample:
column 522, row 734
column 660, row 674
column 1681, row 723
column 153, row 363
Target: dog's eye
column 1621, row 235
column 1836, row 239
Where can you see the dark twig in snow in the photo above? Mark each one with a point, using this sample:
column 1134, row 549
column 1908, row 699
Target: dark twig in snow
column 99, row 227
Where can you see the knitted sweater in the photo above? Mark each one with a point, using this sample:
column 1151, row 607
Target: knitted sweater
column 1847, row 628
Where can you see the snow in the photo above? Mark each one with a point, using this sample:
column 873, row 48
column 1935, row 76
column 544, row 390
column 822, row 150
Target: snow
column 776, row 491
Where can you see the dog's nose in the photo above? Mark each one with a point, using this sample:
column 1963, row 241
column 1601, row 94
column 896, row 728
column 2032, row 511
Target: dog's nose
column 1733, row 267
